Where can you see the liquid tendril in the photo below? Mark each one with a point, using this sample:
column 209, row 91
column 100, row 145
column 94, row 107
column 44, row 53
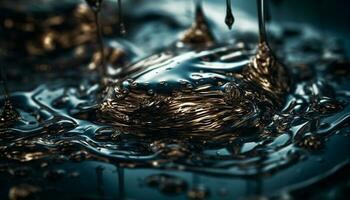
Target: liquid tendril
column 199, row 32
column 122, row 29
column 95, row 6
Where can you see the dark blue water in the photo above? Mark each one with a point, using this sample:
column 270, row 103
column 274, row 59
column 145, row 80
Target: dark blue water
column 64, row 147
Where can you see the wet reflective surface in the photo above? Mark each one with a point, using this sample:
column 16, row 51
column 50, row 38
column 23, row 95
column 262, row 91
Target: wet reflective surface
column 179, row 120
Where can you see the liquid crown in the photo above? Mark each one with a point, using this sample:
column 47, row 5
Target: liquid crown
column 215, row 91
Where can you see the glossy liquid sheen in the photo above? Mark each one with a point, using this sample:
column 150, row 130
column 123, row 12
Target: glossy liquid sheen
column 199, row 110
column 215, row 91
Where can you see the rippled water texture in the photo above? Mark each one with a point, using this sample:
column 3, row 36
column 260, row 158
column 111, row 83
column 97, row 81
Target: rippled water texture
column 179, row 120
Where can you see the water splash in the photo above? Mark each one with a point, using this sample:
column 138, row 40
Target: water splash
column 59, row 126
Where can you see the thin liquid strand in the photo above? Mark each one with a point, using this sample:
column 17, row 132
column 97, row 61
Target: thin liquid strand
column 261, row 17
column 95, row 6
column 102, row 68
column 122, row 29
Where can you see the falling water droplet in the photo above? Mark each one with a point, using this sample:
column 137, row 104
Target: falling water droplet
column 229, row 19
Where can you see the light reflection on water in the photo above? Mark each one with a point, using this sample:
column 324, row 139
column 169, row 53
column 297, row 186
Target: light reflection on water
column 60, row 147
